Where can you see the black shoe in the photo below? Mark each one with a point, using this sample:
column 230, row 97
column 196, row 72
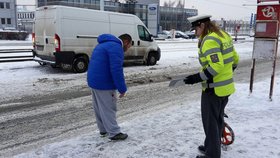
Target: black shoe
column 201, row 156
column 120, row 136
column 202, row 149
column 103, row 134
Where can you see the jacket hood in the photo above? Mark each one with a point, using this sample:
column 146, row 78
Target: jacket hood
column 108, row 37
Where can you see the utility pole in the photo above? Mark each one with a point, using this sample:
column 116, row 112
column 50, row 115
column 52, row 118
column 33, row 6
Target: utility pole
column 16, row 19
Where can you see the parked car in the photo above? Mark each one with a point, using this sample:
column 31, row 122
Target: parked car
column 180, row 34
column 191, row 34
column 164, row 35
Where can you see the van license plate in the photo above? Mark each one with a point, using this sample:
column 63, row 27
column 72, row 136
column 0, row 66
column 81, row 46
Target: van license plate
column 40, row 48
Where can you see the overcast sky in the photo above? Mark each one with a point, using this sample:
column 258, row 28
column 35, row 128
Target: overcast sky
column 26, row 2
column 227, row 9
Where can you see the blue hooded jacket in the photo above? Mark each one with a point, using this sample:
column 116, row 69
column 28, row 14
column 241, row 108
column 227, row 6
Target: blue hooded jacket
column 105, row 71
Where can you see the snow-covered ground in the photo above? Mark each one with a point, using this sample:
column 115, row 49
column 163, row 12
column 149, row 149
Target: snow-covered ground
column 177, row 131
column 171, row 132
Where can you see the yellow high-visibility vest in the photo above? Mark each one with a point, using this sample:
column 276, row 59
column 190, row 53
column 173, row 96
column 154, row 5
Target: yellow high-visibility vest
column 218, row 56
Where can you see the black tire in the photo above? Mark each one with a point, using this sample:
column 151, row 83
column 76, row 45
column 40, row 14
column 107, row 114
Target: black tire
column 80, row 65
column 152, row 59
column 54, row 66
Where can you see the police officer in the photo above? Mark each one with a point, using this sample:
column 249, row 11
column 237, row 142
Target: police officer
column 218, row 60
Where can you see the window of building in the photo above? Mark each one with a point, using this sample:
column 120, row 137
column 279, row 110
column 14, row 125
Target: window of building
column 9, row 21
column 3, row 21
column 87, row 1
column 1, row 5
column 7, row 5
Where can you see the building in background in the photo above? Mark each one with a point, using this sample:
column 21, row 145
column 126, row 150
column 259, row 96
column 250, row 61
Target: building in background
column 176, row 18
column 25, row 19
column 235, row 26
column 8, row 19
column 167, row 18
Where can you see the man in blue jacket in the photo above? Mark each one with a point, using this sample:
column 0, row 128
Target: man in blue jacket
column 105, row 76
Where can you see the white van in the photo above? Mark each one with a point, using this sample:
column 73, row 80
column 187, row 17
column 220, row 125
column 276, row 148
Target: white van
column 65, row 36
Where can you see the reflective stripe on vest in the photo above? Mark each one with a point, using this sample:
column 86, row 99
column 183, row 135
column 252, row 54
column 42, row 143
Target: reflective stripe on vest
column 214, row 50
column 217, row 84
column 211, row 51
column 228, row 50
column 212, row 71
column 203, row 76
column 226, row 61
column 212, row 38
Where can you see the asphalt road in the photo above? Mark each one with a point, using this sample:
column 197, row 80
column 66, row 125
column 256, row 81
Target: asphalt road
column 32, row 121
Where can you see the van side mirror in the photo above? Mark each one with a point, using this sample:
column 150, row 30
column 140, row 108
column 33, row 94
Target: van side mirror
column 150, row 37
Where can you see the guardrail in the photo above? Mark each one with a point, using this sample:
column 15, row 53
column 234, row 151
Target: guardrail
column 15, row 55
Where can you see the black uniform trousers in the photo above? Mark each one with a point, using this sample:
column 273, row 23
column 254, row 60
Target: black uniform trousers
column 212, row 112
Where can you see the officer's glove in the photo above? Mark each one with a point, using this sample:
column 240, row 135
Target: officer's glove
column 234, row 67
column 192, row 79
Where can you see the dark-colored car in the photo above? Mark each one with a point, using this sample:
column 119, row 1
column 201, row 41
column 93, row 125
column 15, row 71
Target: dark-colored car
column 180, row 34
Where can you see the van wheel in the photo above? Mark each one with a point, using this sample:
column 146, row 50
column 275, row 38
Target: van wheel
column 152, row 60
column 54, row 66
column 80, row 65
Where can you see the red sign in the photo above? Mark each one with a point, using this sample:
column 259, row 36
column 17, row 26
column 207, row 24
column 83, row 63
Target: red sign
column 268, row 12
column 267, row 29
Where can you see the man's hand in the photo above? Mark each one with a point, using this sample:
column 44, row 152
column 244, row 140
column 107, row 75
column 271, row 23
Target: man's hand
column 121, row 95
column 192, row 79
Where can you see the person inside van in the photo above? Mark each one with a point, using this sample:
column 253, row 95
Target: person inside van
column 105, row 76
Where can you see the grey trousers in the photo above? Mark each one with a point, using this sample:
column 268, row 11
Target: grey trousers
column 105, row 108
column 212, row 111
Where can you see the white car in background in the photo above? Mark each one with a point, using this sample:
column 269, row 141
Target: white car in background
column 191, row 34
column 164, row 35
column 180, row 34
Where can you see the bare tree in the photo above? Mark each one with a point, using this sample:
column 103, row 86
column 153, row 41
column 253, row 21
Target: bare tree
column 169, row 4
column 181, row 4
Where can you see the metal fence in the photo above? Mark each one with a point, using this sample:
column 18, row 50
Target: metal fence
column 15, row 55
